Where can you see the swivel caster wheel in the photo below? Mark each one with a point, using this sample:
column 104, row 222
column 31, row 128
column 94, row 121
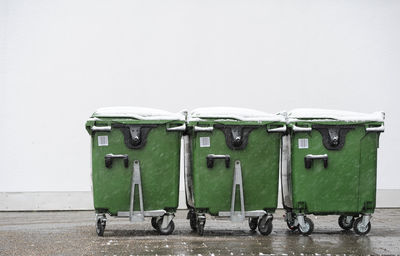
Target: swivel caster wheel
column 265, row 225
column 193, row 223
column 291, row 221
column 100, row 226
column 308, row 227
column 291, row 226
column 346, row 222
column 360, row 228
column 201, row 222
column 253, row 223
column 192, row 220
column 154, row 223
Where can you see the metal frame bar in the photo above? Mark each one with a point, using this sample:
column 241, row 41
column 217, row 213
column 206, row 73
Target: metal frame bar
column 154, row 213
column 256, row 213
column 278, row 129
column 203, row 129
column 136, row 180
column 301, row 129
column 375, row 129
column 177, row 128
column 237, row 181
column 101, row 128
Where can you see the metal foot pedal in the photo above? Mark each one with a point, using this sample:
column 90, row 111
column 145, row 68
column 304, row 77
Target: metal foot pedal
column 136, row 180
column 237, row 216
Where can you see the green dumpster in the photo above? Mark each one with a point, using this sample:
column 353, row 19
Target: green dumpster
column 328, row 166
column 232, row 166
column 135, row 165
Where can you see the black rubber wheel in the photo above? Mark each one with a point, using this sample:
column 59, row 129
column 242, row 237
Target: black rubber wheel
column 265, row 225
column 359, row 229
column 253, row 223
column 290, row 226
column 291, row 222
column 200, row 227
column 342, row 221
column 154, row 223
column 100, row 227
column 309, row 227
column 193, row 222
column 166, row 231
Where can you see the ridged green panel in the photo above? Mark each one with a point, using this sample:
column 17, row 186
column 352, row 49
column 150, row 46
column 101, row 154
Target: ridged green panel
column 159, row 165
column 260, row 168
column 346, row 184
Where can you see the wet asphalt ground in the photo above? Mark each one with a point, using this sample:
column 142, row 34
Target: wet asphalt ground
column 73, row 233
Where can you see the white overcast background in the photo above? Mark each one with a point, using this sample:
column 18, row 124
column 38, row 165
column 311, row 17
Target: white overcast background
column 61, row 60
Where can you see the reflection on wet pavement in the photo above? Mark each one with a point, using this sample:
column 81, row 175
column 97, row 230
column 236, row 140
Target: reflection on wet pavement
column 73, row 233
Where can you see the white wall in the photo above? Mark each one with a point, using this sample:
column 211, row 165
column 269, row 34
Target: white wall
column 60, row 60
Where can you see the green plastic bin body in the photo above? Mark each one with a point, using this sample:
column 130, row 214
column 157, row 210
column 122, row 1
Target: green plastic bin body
column 212, row 187
column 157, row 152
column 332, row 167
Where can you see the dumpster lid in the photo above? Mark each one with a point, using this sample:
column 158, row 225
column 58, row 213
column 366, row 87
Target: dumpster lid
column 241, row 114
column 138, row 113
column 337, row 115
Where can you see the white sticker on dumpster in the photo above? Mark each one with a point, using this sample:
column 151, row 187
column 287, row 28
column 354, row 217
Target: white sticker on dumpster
column 103, row 141
column 205, row 142
column 303, row 143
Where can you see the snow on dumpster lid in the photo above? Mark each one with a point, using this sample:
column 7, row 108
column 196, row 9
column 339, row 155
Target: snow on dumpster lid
column 242, row 114
column 138, row 113
column 339, row 115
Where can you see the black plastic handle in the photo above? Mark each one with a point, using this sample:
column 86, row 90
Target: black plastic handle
column 110, row 157
column 212, row 157
column 308, row 160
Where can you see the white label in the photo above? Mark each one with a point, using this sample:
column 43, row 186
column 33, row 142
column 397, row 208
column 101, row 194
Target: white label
column 103, row 141
column 205, row 142
column 303, row 143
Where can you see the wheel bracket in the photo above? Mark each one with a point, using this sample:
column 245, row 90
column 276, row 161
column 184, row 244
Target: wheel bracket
column 366, row 219
column 167, row 218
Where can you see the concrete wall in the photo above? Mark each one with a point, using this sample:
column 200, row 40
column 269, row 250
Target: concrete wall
column 60, row 60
